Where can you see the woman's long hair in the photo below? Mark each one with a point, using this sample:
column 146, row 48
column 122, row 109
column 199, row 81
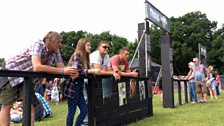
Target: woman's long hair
column 210, row 68
column 81, row 48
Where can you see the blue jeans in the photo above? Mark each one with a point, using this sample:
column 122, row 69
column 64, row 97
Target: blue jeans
column 193, row 91
column 79, row 101
column 85, row 91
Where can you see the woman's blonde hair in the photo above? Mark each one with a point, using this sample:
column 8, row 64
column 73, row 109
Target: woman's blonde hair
column 190, row 64
column 81, row 48
column 210, row 67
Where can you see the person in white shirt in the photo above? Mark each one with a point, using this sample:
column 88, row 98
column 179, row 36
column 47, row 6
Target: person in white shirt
column 99, row 59
column 55, row 93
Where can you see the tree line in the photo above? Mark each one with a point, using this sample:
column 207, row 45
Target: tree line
column 187, row 32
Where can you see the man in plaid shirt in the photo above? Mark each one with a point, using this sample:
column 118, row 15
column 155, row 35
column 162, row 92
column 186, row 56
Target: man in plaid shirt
column 38, row 58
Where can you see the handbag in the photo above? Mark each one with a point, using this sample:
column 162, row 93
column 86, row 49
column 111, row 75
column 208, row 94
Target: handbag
column 208, row 83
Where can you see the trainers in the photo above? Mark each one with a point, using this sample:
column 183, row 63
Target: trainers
column 193, row 102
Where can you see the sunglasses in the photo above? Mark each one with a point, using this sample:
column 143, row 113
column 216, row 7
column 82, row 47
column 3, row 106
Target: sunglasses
column 105, row 47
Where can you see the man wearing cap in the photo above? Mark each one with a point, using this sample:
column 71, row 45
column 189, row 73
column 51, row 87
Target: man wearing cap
column 198, row 75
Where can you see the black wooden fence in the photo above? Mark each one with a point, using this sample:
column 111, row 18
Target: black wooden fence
column 179, row 90
column 125, row 104
column 130, row 100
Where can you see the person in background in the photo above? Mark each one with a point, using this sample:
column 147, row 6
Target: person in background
column 16, row 112
column 48, row 90
column 38, row 58
column 55, row 92
column 47, row 110
column 211, row 82
column 119, row 63
column 74, row 88
column 192, row 88
column 197, row 72
column 218, row 82
column 42, row 87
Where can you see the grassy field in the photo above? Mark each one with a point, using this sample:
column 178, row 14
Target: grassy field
column 209, row 114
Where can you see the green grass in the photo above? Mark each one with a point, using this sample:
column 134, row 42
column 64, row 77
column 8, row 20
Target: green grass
column 58, row 118
column 209, row 114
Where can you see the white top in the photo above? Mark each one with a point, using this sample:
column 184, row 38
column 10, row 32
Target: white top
column 95, row 58
column 55, row 93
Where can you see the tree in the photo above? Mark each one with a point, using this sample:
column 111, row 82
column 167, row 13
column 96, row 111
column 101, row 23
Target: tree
column 132, row 47
column 216, row 54
column 186, row 33
column 70, row 40
column 155, row 35
column 116, row 42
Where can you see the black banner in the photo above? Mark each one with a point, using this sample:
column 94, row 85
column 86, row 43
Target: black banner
column 157, row 17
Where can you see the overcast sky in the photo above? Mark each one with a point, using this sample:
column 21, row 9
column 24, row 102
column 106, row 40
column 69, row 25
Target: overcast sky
column 24, row 21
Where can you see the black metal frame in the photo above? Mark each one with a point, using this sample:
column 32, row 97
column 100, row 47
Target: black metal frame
column 92, row 86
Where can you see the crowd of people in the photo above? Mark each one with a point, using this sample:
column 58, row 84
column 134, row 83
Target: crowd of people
column 44, row 56
column 203, row 81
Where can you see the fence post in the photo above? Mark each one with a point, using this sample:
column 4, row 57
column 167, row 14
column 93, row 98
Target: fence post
column 91, row 104
column 27, row 98
column 179, row 92
column 185, row 91
column 168, row 93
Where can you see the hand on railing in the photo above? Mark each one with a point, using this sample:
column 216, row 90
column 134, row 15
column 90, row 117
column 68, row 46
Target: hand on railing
column 94, row 71
column 69, row 71
column 134, row 73
column 116, row 75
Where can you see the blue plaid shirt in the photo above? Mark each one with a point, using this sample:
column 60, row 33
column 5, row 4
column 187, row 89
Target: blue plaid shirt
column 47, row 109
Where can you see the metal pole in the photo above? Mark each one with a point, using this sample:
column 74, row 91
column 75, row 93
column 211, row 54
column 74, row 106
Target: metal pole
column 28, row 90
column 199, row 51
column 136, row 49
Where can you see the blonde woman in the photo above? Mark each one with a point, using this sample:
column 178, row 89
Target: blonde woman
column 192, row 88
column 211, row 83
